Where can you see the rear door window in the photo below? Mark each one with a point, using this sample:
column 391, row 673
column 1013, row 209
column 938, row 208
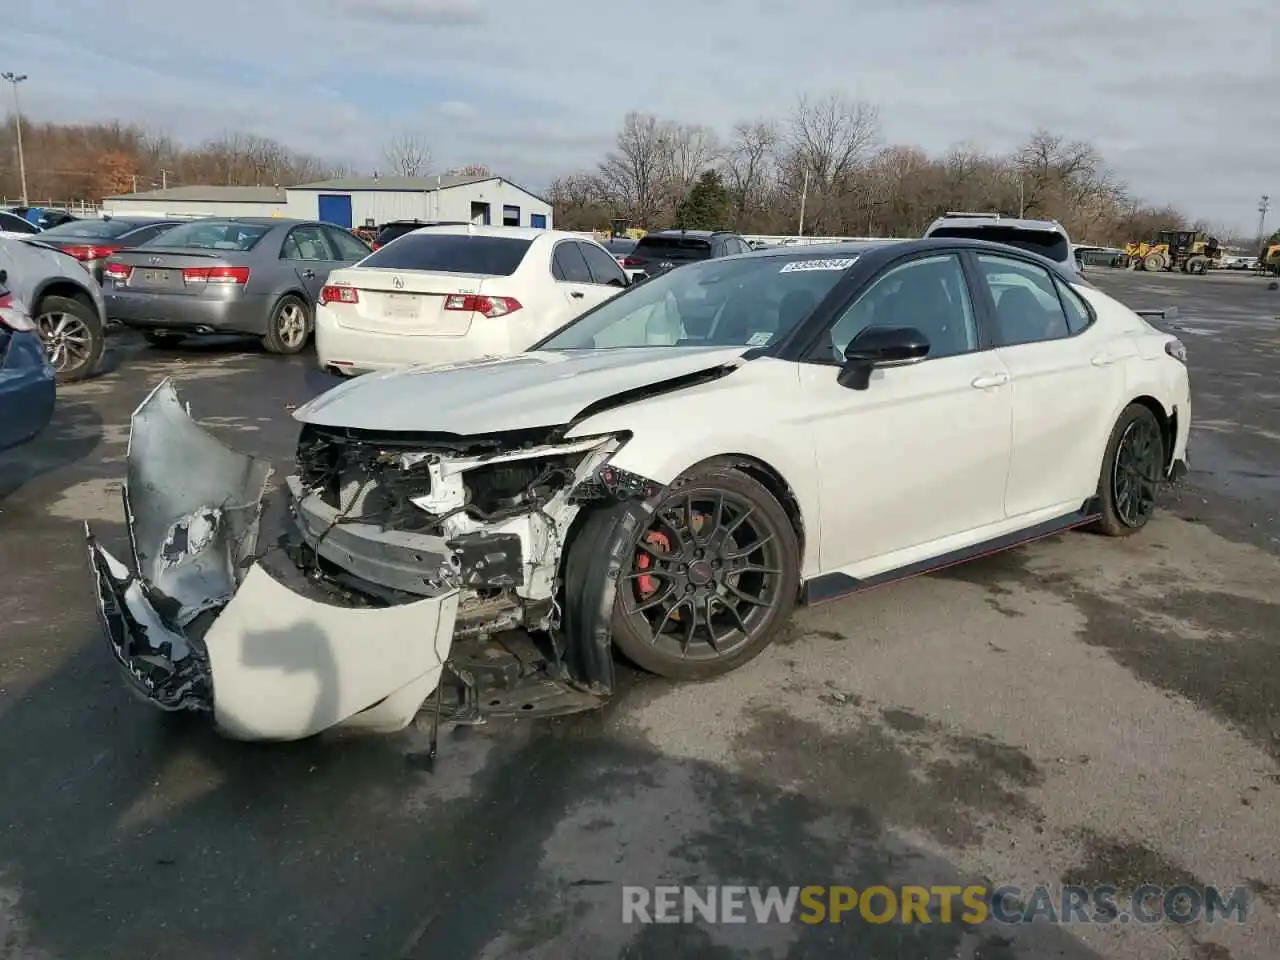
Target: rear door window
column 604, row 269
column 568, row 264
column 1028, row 309
column 452, row 253
column 306, row 243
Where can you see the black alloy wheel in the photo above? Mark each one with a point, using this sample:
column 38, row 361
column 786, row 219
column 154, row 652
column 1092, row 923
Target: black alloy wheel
column 709, row 580
column 1133, row 470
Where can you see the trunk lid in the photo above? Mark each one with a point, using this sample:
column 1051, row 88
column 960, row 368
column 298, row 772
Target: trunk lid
column 174, row 270
column 408, row 302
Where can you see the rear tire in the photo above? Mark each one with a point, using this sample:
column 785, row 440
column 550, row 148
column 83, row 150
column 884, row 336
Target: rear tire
column 289, row 327
column 1198, row 266
column 1132, row 472
column 732, row 553
column 73, row 335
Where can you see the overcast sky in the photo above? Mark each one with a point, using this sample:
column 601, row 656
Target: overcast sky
column 1182, row 97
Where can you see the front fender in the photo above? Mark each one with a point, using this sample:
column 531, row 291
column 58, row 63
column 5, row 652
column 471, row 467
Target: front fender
column 756, row 413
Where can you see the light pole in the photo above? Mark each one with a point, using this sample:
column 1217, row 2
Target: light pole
column 1263, row 206
column 15, row 79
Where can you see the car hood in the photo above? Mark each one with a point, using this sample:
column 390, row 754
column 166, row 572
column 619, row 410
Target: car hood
column 535, row 389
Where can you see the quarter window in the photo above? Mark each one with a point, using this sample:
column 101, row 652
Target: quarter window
column 1028, row 309
column 1078, row 316
column 928, row 295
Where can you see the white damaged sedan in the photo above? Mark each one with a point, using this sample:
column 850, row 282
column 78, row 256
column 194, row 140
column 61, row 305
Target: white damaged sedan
column 665, row 478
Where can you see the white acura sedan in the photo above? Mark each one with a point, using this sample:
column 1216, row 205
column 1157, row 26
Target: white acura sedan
column 664, row 477
column 458, row 292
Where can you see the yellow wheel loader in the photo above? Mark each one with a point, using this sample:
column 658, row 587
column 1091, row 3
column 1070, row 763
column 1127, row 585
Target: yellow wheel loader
column 1183, row 250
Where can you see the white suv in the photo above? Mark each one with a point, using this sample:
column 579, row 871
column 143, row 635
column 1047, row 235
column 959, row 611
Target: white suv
column 1046, row 237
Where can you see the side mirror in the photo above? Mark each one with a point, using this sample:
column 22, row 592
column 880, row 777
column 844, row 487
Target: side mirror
column 880, row 347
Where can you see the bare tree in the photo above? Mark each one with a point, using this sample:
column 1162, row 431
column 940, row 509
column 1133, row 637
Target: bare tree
column 829, row 138
column 407, row 154
column 690, row 149
column 748, row 161
column 633, row 176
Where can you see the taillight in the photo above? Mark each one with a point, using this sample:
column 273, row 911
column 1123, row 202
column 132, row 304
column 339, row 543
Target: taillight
column 333, row 293
column 12, row 316
column 376, row 245
column 235, row 276
column 116, row 271
column 632, row 261
column 1176, row 349
column 485, row 306
column 90, row 252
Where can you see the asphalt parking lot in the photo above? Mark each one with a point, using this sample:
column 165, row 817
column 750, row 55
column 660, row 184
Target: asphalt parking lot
column 1081, row 710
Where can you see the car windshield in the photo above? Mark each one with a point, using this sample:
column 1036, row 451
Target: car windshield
column 211, row 235
column 96, row 229
column 750, row 302
column 452, row 253
column 1047, row 243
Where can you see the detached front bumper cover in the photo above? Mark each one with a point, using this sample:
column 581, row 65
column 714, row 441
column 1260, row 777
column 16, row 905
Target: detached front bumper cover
column 199, row 624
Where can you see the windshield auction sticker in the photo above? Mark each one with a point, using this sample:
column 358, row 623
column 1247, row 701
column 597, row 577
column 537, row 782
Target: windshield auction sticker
column 800, row 266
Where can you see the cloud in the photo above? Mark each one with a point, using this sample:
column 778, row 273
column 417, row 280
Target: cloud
column 1182, row 104
column 436, row 13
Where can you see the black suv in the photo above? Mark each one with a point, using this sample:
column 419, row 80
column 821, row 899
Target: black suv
column 398, row 228
column 661, row 250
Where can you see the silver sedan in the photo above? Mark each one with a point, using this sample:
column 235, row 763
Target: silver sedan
column 251, row 275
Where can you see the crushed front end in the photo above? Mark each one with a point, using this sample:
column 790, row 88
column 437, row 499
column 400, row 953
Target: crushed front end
column 386, row 567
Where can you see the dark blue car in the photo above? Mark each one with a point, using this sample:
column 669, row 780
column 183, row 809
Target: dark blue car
column 27, row 380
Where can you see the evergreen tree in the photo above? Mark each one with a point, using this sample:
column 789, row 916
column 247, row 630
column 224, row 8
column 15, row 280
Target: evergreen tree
column 707, row 205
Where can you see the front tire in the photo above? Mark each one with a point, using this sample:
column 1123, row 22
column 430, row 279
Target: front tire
column 1132, row 471
column 704, row 588
column 73, row 335
column 289, row 327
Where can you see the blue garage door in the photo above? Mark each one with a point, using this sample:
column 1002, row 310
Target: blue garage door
column 538, row 220
column 336, row 208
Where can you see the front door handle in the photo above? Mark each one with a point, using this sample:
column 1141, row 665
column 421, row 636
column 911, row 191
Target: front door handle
column 990, row 380
column 577, row 294
column 1104, row 360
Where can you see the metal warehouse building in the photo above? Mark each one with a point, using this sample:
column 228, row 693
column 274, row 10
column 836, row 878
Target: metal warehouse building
column 369, row 201
column 201, row 202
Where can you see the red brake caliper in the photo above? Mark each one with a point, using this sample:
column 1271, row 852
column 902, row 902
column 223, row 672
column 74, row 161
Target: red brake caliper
column 646, row 584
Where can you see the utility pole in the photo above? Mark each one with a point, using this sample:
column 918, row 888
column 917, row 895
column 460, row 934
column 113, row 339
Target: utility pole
column 15, row 79
column 804, row 197
column 1263, row 206
column 164, row 179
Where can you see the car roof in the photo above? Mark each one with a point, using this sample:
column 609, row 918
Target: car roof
column 876, row 253
column 253, row 221
column 979, row 220
column 696, row 234
column 511, row 233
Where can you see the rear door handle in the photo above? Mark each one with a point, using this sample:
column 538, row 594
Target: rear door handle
column 576, row 294
column 1104, row 360
column 309, row 274
column 991, row 380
